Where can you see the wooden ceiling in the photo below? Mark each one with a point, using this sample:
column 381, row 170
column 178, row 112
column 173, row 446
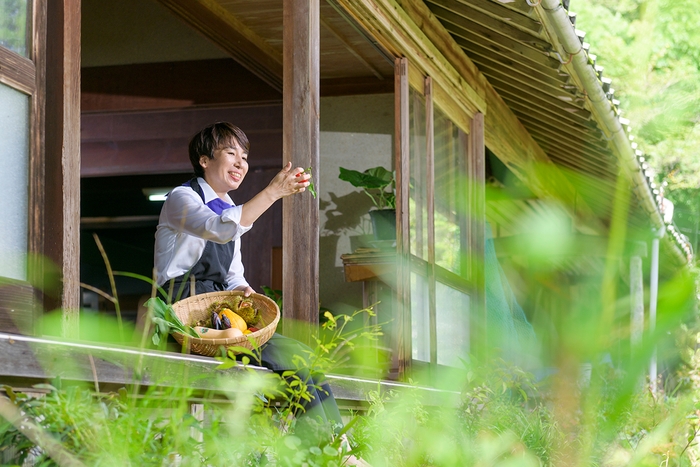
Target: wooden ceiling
column 251, row 32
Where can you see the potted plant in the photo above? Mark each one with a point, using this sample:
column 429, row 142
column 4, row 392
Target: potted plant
column 377, row 183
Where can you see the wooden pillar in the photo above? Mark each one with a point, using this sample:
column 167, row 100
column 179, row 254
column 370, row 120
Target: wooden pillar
column 477, row 197
column 62, row 192
column 300, row 230
column 653, row 296
column 636, row 302
column 403, row 233
column 430, row 188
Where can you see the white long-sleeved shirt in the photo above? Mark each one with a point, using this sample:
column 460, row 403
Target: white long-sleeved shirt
column 186, row 224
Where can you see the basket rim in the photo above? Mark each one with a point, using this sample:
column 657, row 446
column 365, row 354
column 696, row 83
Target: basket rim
column 231, row 341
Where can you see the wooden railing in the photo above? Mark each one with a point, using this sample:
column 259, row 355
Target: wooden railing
column 26, row 361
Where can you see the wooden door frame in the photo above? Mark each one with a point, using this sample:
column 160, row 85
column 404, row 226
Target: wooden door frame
column 62, row 157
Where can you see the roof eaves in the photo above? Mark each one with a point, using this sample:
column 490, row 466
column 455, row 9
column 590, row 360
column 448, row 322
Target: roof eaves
column 571, row 50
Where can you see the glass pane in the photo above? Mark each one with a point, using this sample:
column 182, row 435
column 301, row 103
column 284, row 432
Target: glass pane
column 452, row 315
column 420, row 318
column 14, row 154
column 418, row 203
column 13, row 25
column 450, row 206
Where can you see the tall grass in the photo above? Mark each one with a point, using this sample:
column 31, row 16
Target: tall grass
column 587, row 402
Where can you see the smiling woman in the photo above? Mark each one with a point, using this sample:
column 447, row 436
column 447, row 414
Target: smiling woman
column 198, row 249
column 200, row 225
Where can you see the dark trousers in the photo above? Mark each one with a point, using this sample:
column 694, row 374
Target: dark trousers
column 277, row 354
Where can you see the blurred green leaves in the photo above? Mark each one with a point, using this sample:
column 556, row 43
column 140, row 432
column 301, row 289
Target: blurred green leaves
column 651, row 49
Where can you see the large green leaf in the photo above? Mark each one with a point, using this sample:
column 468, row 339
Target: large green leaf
column 375, row 178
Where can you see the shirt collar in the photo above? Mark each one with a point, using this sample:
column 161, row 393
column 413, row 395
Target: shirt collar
column 209, row 193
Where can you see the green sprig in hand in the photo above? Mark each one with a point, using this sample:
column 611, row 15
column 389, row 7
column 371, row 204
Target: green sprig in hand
column 311, row 187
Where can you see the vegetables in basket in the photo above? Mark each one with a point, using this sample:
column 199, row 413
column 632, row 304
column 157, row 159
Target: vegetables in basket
column 237, row 307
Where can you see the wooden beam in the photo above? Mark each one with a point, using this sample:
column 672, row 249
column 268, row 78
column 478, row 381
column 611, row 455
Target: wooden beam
column 552, row 133
column 519, row 7
column 133, row 143
column 585, row 131
column 231, row 35
column 461, row 9
column 144, row 86
column 562, row 104
column 355, row 86
column 523, row 74
column 62, row 210
column 568, row 145
column 474, row 31
column 43, row 360
column 507, row 15
column 17, row 72
column 474, row 48
column 301, row 106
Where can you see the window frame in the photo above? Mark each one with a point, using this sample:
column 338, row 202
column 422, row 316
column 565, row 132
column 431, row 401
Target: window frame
column 27, row 75
column 408, row 79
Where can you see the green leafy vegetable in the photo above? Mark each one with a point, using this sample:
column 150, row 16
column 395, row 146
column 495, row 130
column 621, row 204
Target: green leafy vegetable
column 166, row 321
column 312, row 188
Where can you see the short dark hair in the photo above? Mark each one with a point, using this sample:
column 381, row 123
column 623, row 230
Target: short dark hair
column 213, row 137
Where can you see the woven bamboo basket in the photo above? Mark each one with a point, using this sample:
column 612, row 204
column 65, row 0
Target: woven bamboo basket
column 194, row 308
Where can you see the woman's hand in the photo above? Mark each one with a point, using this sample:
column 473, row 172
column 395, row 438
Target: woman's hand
column 289, row 181
column 246, row 290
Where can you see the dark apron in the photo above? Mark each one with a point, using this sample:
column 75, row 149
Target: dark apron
column 210, row 271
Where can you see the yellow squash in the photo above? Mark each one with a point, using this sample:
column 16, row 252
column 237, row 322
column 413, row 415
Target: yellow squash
column 236, row 321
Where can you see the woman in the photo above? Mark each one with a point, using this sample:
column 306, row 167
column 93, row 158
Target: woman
column 197, row 247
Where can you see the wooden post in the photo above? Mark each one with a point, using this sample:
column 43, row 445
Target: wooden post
column 37, row 171
column 430, row 188
column 62, row 192
column 653, row 296
column 197, row 412
column 637, row 303
column 300, row 231
column 403, row 176
column 636, row 252
column 477, row 195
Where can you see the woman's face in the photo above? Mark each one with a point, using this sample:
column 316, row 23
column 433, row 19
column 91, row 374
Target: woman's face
column 227, row 169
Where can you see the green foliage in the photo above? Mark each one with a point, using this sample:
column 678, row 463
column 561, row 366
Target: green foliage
column 651, row 49
column 165, row 321
column 503, row 416
column 258, row 423
column 376, row 182
column 274, row 294
column 13, row 25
